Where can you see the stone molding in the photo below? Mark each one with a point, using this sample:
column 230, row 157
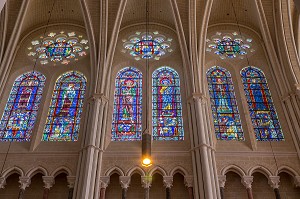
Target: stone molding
column 274, row 181
column 296, row 181
column 168, row 181
column 222, row 180
column 104, row 181
column 71, row 181
column 48, row 181
column 2, row 182
column 188, row 181
column 146, row 181
column 247, row 181
column 24, row 182
column 125, row 181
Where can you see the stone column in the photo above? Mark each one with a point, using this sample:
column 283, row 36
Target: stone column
column 247, row 182
column 48, row 183
column 222, row 181
column 168, row 182
column 71, row 182
column 2, row 182
column 296, row 181
column 146, row 184
column 125, row 182
column 104, row 181
column 274, row 183
column 24, row 183
column 188, row 181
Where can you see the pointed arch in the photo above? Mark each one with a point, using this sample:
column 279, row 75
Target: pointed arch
column 261, row 169
column 224, row 107
column 166, row 105
column 65, row 110
column 60, row 170
column 127, row 113
column 113, row 170
column 22, row 107
column 36, row 170
column 11, row 171
column 157, row 169
column 233, row 168
column 262, row 110
column 134, row 170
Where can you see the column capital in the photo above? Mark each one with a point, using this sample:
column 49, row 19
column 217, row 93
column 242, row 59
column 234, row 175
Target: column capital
column 146, row 181
column 222, row 180
column 198, row 97
column 104, row 181
column 24, row 182
column 168, row 181
column 124, row 181
column 2, row 182
column 296, row 181
column 274, row 181
column 188, row 181
column 48, row 181
column 97, row 96
column 247, row 181
column 71, row 181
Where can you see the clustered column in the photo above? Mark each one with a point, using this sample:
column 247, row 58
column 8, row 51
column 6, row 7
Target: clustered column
column 222, row 181
column 274, row 183
column 24, row 183
column 247, row 182
column 104, row 181
column 71, row 184
column 188, row 181
column 168, row 182
column 48, row 183
column 125, row 182
column 146, row 183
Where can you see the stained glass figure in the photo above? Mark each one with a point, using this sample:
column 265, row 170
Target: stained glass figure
column 127, row 115
column 224, row 107
column 65, row 110
column 22, row 107
column 147, row 46
column 166, row 105
column 262, row 110
column 229, row 45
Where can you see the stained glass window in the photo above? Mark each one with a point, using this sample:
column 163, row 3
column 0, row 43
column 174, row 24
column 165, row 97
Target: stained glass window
column 223, row 104
column 65, row 109
column 262, row 111
column 22, row 107
column 127, row 115
column 166, row 105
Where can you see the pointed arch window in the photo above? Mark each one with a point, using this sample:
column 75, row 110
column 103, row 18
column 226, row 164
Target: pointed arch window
column 22, row 107
column 262, row 110
column 127, row 113
column 65, row 110
column 224, row 107
column 166, row 105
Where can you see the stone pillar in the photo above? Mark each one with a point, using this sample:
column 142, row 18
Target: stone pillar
column 247, row 182
column 274, row 183
column 296, row 181
column 2, row 182
column 188, row 181
column 24, row 183
column 168, row 182
column 222, row 181
column 146, row 184
column 125, row 182
column 48, row 183
column 71, row 182
column 103, row 185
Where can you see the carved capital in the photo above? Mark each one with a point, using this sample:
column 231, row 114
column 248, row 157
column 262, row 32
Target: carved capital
column 24, row 182
column 71, row 181
column 222, row 180
column 274, row 181
column 247, row 181
column 97, row 97
column 168, row 181
column 146, row 181
column 104, row 181
column 188, row 181
column 48, row 181
column 198, row 97
column 2, row 182
column 297, row 181
column 124, row 181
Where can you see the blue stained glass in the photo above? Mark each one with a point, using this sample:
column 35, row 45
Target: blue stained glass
column 65, row 110
column 166, row 105
column 262, row 111
column 22, row 107
column 127, row 113
column 223, row 104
